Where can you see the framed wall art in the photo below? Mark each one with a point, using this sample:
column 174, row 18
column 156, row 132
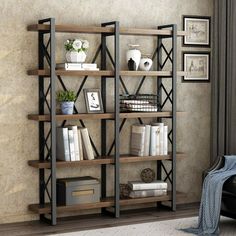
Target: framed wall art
column 197, row 66
column 198, row 31
column 93, row 100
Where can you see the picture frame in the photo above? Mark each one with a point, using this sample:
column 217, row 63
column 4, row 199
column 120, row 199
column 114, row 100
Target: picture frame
column 198, row 29
column 93, row 100
column 197, row 66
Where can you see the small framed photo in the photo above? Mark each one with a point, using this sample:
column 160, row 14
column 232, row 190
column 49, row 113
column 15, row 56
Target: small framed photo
column 197, row 66
column 93, row 100
column 198, row 31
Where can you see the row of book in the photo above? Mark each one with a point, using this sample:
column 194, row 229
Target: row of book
column 77, row 66
column 140, row 189
column 73, row 144
column 149, row 140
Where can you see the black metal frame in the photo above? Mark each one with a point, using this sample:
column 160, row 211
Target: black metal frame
column 171, row 55
column 47, row 134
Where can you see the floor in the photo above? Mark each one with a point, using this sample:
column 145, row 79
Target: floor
column 72, row 224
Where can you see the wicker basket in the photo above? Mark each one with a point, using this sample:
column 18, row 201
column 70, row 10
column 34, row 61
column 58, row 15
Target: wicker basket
column 139, row 103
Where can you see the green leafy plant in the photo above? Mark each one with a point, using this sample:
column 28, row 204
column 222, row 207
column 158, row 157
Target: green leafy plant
column 66, row 96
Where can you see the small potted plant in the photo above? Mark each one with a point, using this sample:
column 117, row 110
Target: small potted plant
column 76, row 50
column 67, row 101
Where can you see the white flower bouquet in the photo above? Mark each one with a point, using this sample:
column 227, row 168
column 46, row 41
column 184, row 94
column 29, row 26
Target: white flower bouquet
column 76, row 45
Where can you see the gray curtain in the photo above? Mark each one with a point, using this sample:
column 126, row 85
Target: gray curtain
column 224, row 79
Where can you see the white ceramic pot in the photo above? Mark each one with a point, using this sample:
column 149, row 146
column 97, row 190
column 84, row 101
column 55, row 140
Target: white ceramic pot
column 133, row 57
column 76, row 57
column 145, row 64
column 67, row 108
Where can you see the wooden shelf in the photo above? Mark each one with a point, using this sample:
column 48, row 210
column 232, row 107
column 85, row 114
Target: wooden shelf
column 107, row 30
column 107, row 73
column 108, row 202
column 93, row 73
column 103, row 160
column 103, row 116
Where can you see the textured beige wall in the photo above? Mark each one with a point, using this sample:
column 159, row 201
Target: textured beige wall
column 18, row 96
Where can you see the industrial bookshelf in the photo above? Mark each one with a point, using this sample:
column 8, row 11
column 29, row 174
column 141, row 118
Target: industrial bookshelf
column 47, row 76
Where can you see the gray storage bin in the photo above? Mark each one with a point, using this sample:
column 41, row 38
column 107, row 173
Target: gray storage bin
column 78, row 190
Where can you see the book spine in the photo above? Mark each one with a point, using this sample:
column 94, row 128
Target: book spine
column 147, row 193
column 62, row 144
column 80, row 145
column 165, row 143
column 137, row 140
column 161, row 144
column 158, row 140
column 153, row 141
column 66, row 144
column 76, row 143
column 147, row 140
column 72, row 145
column 87, row 144
column 148, row 186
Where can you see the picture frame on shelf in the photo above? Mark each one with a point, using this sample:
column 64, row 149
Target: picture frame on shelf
column 198, row 30
column 197, row 66
column 93, row 100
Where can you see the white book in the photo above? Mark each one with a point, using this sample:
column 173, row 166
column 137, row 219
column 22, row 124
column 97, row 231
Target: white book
column 76, row 142
column 161, row 141
column 147, row 140
column 158, row 134
column 77, row 66
column 139, row 185
column 62, row 144
column 71, row 144
column 137, row 140
column 86, row 143
column 148, row 193
column 90, row 66
column 69, row 66
column 153, row 142
column 80, row 144
column 165, row 143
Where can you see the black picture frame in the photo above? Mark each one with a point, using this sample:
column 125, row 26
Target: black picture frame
column 187, row 79
column 95, row 95
column 199, row 18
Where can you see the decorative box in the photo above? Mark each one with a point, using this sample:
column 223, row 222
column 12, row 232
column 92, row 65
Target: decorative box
column 78, row 190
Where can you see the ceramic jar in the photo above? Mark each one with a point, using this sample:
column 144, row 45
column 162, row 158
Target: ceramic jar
column 145, row 63
column 75, row 57
column 133, row 57
column 67, row 108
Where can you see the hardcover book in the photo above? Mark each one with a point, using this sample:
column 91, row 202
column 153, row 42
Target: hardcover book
column 77, row 66
column 62, row 144
column 137, row 140
column 139, row 185
column 71, row 144
column 147, row 140
column 147, row 193
column 86, row 143
column 76, row 142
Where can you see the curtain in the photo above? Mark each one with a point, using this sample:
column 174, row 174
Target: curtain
column 223, row 135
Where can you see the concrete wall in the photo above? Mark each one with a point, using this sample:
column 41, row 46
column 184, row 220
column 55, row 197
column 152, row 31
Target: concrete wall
column 18, row 96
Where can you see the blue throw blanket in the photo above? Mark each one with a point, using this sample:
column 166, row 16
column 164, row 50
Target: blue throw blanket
column 209, row 213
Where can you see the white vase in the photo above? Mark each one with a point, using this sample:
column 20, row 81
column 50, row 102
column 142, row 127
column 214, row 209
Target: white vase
column 145, row 64
column 133, row 57
column 76, row 57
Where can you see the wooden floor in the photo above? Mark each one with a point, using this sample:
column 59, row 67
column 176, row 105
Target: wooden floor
column 73, row 224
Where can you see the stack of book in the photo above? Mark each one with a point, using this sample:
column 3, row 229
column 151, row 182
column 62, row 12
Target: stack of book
column 73, row 144
column 77, row 66
column 149, row 140
column 140, row 189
